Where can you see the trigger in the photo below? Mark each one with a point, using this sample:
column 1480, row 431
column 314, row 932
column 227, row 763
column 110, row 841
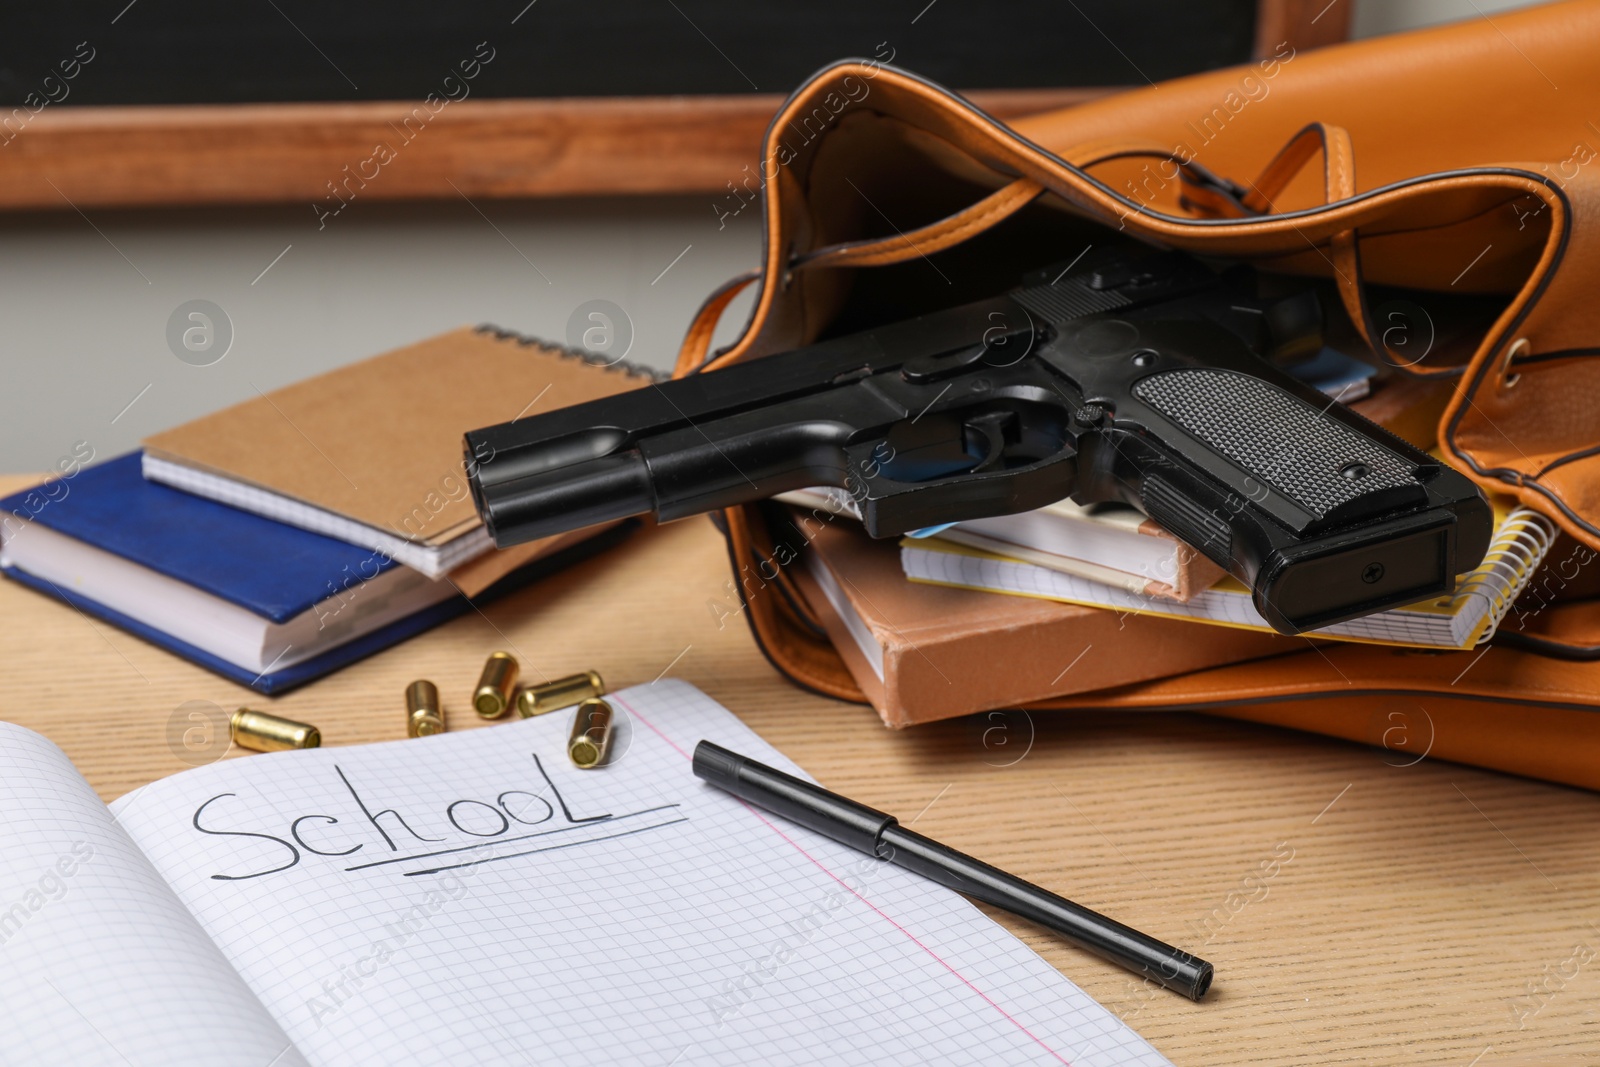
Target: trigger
column 986, row 439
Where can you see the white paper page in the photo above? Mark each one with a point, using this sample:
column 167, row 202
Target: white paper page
column 99, row 962
column 1229, row 606
column 684, row 929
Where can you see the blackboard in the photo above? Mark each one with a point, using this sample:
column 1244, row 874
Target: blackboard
column 280, row 51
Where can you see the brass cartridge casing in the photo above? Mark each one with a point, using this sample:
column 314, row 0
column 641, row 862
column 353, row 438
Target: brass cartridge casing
column 423, row 714
column 493, row 695
column 270, row 733
column 561, row 693
column 591, row 734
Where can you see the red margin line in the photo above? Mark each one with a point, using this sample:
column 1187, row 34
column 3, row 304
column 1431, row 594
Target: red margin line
column 853, row 892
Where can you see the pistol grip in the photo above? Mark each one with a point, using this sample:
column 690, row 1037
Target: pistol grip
column 1328, row 470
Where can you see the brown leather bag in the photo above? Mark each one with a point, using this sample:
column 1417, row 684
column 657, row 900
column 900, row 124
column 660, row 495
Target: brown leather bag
column 1456, row 168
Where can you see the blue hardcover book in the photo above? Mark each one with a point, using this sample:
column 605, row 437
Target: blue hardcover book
column 265, row 604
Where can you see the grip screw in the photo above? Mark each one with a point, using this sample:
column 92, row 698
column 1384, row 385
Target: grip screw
column 1090, row 415
column 1373, row 573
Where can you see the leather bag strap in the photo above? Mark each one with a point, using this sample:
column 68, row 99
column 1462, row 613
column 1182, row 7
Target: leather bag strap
column 1332, row 143
column 692, row 355
column 1209, row 195
column 1204, row 193
column 875, row 252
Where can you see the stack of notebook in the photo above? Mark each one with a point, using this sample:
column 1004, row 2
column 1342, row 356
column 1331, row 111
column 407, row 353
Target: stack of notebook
column 921, row 652
column 304, row 529
column 372, row 454
column 1464, row 620
column 944, row 644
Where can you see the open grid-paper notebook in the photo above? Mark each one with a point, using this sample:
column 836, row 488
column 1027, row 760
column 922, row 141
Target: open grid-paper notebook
column 473, row 898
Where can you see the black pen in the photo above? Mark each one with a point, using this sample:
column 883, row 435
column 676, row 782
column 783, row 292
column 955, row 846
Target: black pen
column 877, row 834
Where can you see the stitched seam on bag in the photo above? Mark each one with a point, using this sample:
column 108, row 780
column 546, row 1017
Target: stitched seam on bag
column 1485, row 213
column 1570, row 457
column 1107, row 151
column 1282, row 168
column 1357, row 205
column 1450, row 427
column 1559, row 354
column 1525, row 481
column 1201, row 198
column 937, row 240
column 1522, row 480
column 1000, row 205
column 1339, row 174
column 702, row 329
column 999, row 200
column 1342, row 245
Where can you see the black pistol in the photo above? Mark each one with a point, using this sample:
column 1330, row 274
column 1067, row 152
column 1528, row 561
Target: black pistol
column 1147, row 378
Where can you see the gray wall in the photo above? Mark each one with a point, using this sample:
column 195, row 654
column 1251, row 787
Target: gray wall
column 85, row 302
column 1372, row 17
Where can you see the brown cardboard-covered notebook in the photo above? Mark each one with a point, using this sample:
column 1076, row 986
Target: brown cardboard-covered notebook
column 371, row 453
column 923, row 652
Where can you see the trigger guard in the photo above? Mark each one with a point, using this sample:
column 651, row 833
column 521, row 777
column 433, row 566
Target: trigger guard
column 892, row 508
column 994, row 445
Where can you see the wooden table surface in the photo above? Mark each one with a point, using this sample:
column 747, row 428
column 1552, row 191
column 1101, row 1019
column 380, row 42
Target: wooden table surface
column 1358, row 912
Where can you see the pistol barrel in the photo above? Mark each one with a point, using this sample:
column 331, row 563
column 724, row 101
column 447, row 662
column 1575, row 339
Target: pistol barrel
column 555, row 500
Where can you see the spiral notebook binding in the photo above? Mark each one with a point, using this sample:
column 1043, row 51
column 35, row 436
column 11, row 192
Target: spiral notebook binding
column 1508, row 566
column 593, row 359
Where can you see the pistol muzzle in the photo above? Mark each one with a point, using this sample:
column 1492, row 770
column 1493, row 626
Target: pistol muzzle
column 555, row 500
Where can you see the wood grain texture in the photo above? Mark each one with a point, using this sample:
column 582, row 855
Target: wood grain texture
column 182, row 155
column 286, row 153
column 1357, row 912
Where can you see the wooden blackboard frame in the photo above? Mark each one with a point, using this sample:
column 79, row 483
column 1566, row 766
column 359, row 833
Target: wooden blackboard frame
column 194, row 155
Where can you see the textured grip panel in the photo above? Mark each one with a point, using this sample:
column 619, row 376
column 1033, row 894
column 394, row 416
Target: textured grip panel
column 1286, row 444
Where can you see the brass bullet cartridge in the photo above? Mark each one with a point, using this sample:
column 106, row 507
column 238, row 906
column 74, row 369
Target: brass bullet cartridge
column 493, row 695
column 423, row 715
column 561, row 693
column 270, row 733
column 591, row 734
